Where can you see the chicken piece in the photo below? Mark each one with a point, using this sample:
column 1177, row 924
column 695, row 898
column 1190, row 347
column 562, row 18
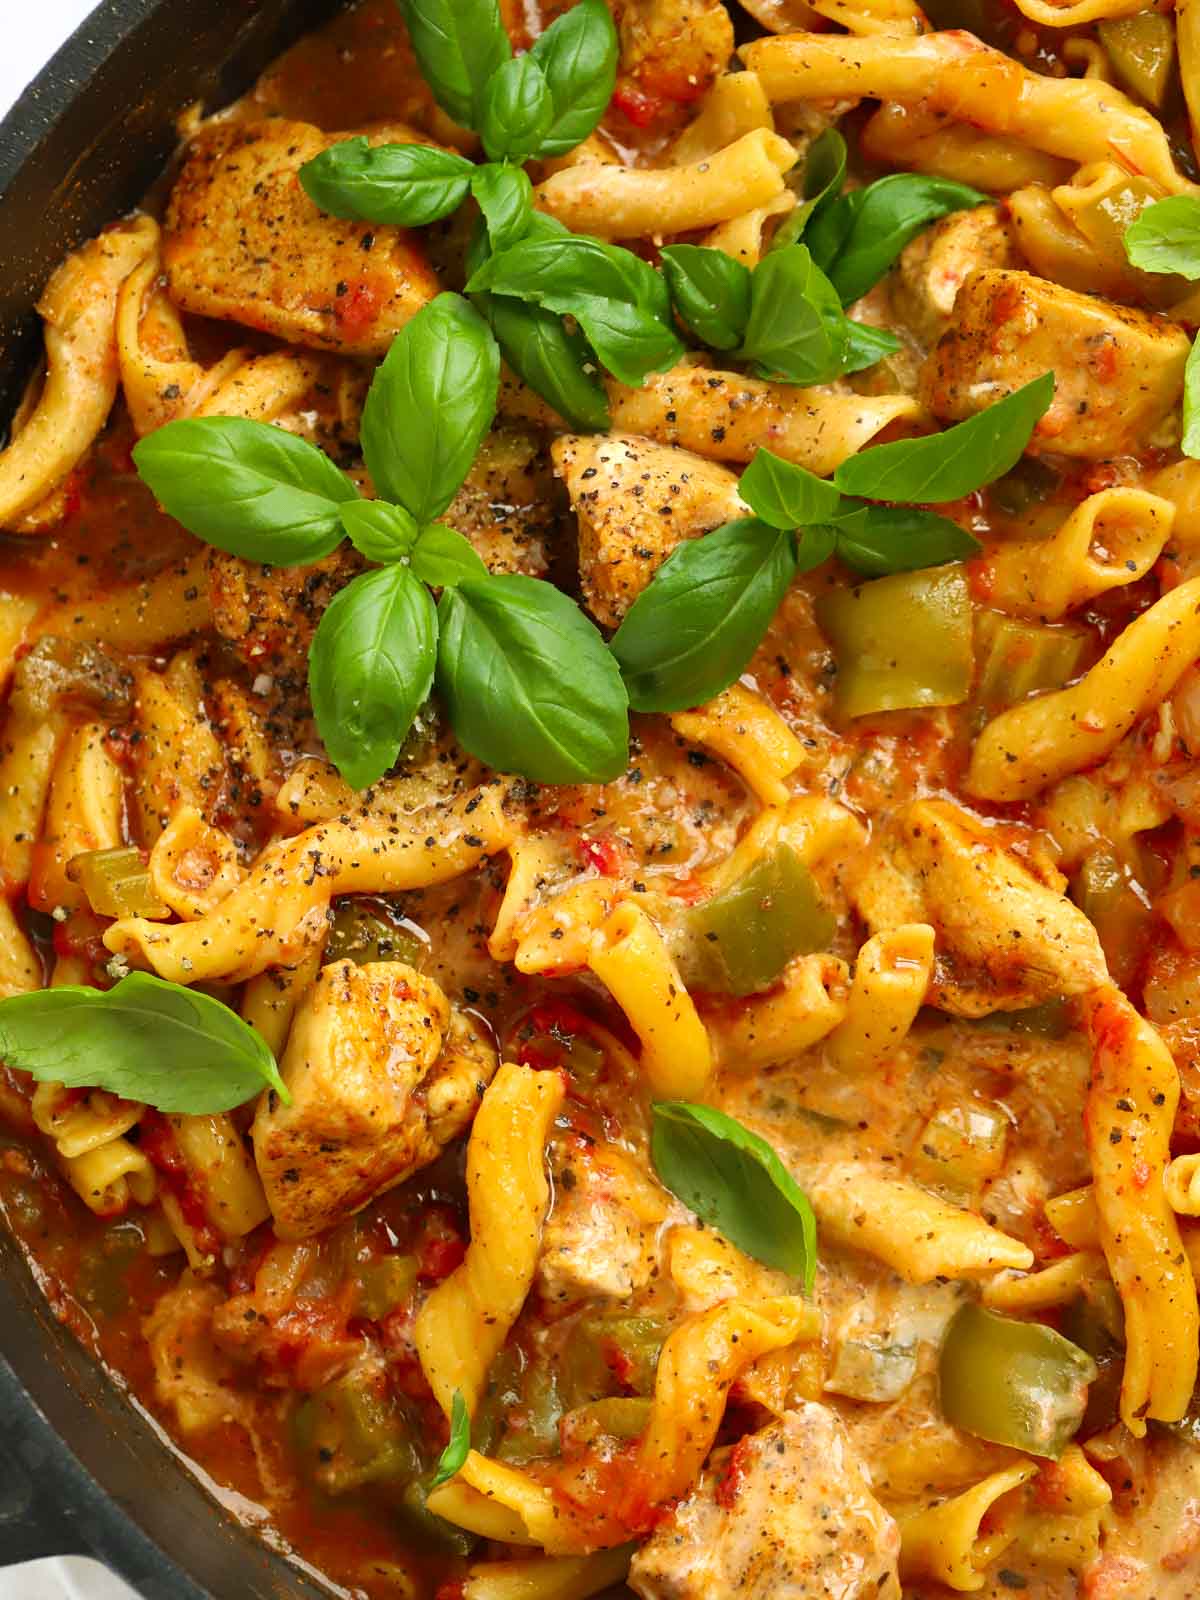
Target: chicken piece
column 932, row 269
column 243, row 242
column 506, row 505
column 635, row 501
column 791, row 1518
column 382, row 1074
column 1119, row 372
column 1005, row 939
column 601, row 1239
column 671, row 50
column 270, row 614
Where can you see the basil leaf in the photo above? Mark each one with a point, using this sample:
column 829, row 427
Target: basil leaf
column 784, row 495
column 454, row 1457
column 824, row 174
column 556, row 364
column 145, row 1039
column 505, row 196
column 736, row 1183
column 515, row 110
column 246, row 487
column 379, row 531
column 945, row 466
column 814, row 545
column 578, row 54
column 796, row 330
column 430, row 403
column 630, row 341
column 883, row 218
column 711, row 292
column 1190, row 442
column 370, row 668
column 442, row 557
column 866, row 345
column 1166, row 237
column 407, row 185
column 880, row 539
column 691, row 631
column 528, row 683
column 458, row 45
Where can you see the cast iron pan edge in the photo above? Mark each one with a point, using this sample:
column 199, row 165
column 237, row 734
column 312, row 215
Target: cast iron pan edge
column 81, row 1471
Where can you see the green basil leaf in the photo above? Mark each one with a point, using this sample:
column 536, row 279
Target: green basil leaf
column 796, row 330
column 379, row 531
column 246, row 487
column 370, row 669
column 515, row 110
column 1166, row 237
column 458, row 44
column 883, row 218
column 814, row 545
column 505, row 196
column 528, row 683
column 430, row 403
column 407, row 185
column 443, row 557
column 145, row 1039
column 578, row 54
column 631, row 341
column 866, row 345
column 557, row 364
column 784, row 495
column 692, row 630
column 824, row 174
column 945, row 466
column 736, row 1183
column 1190, row 443
column 454, row 1457
column 877, row 540
column 711, row 292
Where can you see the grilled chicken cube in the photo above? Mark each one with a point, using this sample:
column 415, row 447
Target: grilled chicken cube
column 792, row 1517
column 506, row 504
column 382, row 1075
column 635, row 501
column 933, row 268
column 244, row 243
column 1119, row 373
column 671, row 51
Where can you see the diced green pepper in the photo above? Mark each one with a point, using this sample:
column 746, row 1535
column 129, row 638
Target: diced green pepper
column 1015, row 1383
column 620, row 1417
column 532, row 1426
column 368, row 928
column 383, row 1285
column 740, row 941
column 1118, row 908
column 352, row 1433
column 1142, row 51
column 901, row 642
column 960, row 1147
column 427, row 1530
column 117, row 883
column 1029, row 483
column 1017, row 657
column 609, row 1354
column 873, row 1367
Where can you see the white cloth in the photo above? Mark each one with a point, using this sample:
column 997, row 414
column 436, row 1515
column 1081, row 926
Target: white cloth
column 63, row 1578
column 32, row 33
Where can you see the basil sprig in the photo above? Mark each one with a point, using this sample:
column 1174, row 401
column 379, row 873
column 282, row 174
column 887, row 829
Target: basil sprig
column 458, row 44
column 454, row 1457
column 1165, row 238
column 733, row 1180
column 694, row 628
column 145, row 1039
column 526, row 678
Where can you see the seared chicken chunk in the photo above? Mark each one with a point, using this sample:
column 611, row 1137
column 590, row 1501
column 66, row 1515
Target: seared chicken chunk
column 933, row 268
column 506, row 505
column 671, row 50
column 1119, row 372
column 1005, row 939
column 635, row 501
column 382, row 1074
column 244, row 242
column 791, row 1518
column 270, row 614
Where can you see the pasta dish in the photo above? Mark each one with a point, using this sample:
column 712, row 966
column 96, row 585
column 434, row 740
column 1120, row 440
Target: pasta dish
column 600, row 653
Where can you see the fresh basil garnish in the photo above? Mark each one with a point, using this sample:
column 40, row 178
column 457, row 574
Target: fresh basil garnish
column 246, row 487
column 556, row 363
column 797, row 329
column 1166, row 237
column 692, row 630
column 430, row 404
column 866, row 345
column 945, row 466
column 735, row 1182
column 528, row 682
column 711, row 293
column 454, row 1457
column 578, row 55
column 1190, row 441
column 145, row 1039
column 876, row 540
column 824, row 174
column 408, row 185
column 786, row 495
column 458, row 44
column 505, row 196
column 442, row 557
column 379, row 531
column 515, row 110
column 859, row 235
column 371, row 668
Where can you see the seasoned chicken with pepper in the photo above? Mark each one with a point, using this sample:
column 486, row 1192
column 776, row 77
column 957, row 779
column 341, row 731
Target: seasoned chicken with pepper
column 382, row 1074
column 244, row 242
column 934, row 267
column 791, row 1517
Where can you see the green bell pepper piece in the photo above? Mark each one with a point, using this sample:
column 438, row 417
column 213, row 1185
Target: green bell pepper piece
column 1142, row 51
column 367, row 928
column 744, row 938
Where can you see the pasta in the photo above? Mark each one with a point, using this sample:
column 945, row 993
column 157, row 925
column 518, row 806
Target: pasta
column 750, row 736
column 948, row 1542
